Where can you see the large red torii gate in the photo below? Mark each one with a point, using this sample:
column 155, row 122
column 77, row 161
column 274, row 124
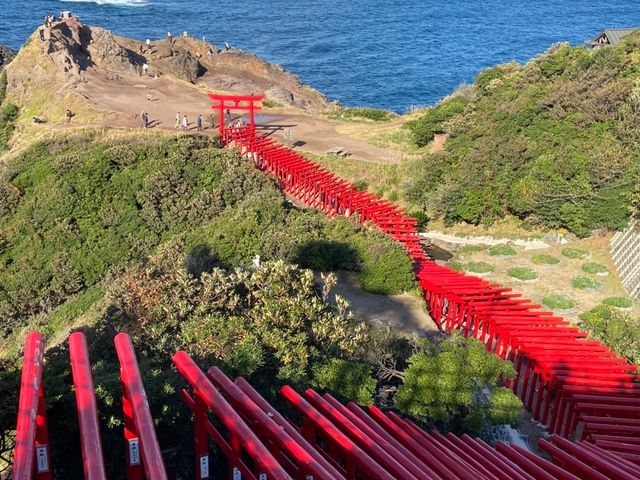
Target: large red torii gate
column 236, row 102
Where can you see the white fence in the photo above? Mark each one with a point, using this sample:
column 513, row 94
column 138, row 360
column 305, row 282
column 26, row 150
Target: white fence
column 625, row 250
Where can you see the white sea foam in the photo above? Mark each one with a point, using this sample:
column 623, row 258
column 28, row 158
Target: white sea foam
column 126, row 3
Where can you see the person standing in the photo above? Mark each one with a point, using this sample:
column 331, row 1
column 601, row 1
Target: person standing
column 68, row 114
column 212, row 117
column 170, row 37
column 199, row 122
column 177, row 120
column 148, row 44
column 185, row 123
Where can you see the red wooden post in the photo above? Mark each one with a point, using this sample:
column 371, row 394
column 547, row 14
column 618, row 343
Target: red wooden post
column 31, row 453
column 93, row 459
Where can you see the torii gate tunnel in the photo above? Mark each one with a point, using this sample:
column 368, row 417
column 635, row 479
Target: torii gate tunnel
column 236, row 102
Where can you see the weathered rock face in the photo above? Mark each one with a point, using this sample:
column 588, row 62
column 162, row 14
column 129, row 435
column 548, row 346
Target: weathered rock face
column 107, row 53
column 63, row 56
column 6, row 55
column 174, row 60
column 225, row 67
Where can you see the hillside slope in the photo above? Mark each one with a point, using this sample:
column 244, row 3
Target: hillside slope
column 555, row 142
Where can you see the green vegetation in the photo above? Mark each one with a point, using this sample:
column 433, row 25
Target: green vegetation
column 443, row 385
column 478, row 267
column 345, row 380
column 434, row 120
column 552, row 143
column 575, row 253
column 618, row 302
column 558, row 302
column 615, row 329
column 585, row 283
column 75, row 210
column 502, row 251
column 271, row 103
column 542, row 259
column 467, row 249
column 595, row 268
column 523, row 273
column 8, row 116
column 3, row 85
column 362, row 114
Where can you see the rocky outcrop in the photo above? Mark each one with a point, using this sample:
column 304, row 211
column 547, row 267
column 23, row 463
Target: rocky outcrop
column 6, row 55
column 68, row 53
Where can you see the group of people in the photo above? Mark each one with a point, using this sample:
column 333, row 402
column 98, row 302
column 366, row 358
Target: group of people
column 49, row 20
column 183, row 122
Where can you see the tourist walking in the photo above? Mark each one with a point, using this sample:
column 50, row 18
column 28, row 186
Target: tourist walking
column 178, row 117
column 170, row 37
column 145, row 120
column 185, row 123
column 199, row 122
column 149, row 97
column 212, row 117
column 69, row 115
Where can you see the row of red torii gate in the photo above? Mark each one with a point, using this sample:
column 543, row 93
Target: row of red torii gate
column 585, row 395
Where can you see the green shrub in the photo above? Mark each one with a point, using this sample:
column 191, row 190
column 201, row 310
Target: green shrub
column 575, row 253
column 586, row 283
column 467, row 249
column 3, row 85
column 347, row 381
column 425, row 127
column 523, row 273
column 558, row 302
column 8, row 116
column 502, row 251
column 442, row 385
column 552, row 143
column 618, row 302
column 421, row 217
column 360, row 185
column 542, row 259
column 614, row 329
column 478, row 267
column 371, row 114
column 594, row 268
column 457, row 266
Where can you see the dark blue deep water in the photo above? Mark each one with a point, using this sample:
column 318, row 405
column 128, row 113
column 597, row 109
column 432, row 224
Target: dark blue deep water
column 387, row 54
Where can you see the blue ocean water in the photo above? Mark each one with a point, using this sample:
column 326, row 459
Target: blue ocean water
column 391, row 54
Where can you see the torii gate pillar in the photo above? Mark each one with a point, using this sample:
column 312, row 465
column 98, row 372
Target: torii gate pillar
column 236, row 102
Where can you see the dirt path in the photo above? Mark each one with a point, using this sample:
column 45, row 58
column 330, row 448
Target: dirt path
column 127, row 99
column 401, row 313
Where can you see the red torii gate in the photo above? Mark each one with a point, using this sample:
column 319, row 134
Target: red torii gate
column 235, row 102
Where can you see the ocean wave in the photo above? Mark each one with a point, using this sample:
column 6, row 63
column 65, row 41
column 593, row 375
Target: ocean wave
column 126, row 3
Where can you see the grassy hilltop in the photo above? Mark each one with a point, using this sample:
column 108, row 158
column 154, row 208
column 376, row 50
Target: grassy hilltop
column 554, row 142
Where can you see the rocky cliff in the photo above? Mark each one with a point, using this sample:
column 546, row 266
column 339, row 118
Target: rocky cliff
column 6, row 55
column 68, row 53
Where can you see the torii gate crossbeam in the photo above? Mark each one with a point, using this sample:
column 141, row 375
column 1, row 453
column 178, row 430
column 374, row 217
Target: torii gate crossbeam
column 236, row 102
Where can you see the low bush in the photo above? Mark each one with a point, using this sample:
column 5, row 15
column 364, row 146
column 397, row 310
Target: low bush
column 576, row 253
column 502, row 251
column 466, row 249
column 345, row 380
column 478, row 267
column 585, row 283
column 370, row 114
column 558, row 302
column 442, row 385
column 522, row 273
column 618, row 302
column 542, row 259
column 615, row 329
column 595, row 268
column 8, row 116
column 433, row 121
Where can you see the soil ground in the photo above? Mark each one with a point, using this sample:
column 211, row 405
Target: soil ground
column 123, row 101
column 402, row 313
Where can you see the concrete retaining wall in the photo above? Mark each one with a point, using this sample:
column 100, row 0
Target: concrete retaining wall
column 625, row 250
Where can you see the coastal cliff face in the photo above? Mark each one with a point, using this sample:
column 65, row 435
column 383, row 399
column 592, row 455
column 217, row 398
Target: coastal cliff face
column 6, row 55
column 56, row 59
